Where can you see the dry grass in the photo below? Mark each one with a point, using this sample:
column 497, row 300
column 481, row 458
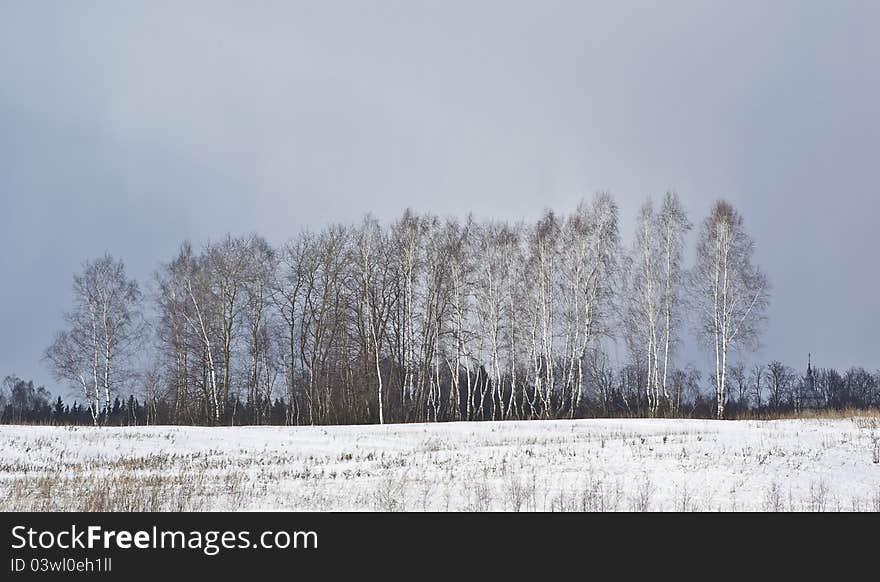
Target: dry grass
column 124, row 486
column 864, row 414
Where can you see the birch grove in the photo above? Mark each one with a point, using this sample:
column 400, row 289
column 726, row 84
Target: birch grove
column 423, row 319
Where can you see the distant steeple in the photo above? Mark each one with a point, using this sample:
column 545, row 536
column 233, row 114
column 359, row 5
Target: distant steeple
column 810, row 397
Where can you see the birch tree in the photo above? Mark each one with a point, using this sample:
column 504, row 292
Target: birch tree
column 673, row 226
column 225, row 269
column 188, row 277
column 591, row 247
column 69, row 357
column 436, row 306
column 492, row 281
column 288, row 293
column 105, row 324
column 461, row 268
column 654, row 293
column 257, row 283
column 544, row 256
column 377, row 298
column 407, row 236
column 643, row 315
column 731, row 293
column 173, row 338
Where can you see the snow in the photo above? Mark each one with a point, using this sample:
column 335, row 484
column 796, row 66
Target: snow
column 628, row 464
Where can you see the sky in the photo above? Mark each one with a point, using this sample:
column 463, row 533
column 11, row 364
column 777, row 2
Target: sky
column 128, row 127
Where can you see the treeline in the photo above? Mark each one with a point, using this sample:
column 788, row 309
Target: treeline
column 764, row 391
column 423, row 319
column 23, row 403
column 775, row 388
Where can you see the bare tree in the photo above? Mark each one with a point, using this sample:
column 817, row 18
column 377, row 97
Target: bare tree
column 94, row 351
column 377, row 297
column 601, row 374
column 780, row 384
column 288, row 295
column 740, row 383
column 731, row 293
column 154, row 391
column 756, row 377
column 654, row 292
column 495, row 244
column 407, row 235
column 189, row 303
column 643, row 319
column 673, row 224
column 544, row 258
column 257, row 283
column 322, row 319
column 225, row 266
column 435, row 307
column 591, row 243
column 461, row 272
column 860, row 386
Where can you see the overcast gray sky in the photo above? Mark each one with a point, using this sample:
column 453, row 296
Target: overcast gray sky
column 128, row 127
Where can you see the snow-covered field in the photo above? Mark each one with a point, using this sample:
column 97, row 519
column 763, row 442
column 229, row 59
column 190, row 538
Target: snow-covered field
column 592, row 465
